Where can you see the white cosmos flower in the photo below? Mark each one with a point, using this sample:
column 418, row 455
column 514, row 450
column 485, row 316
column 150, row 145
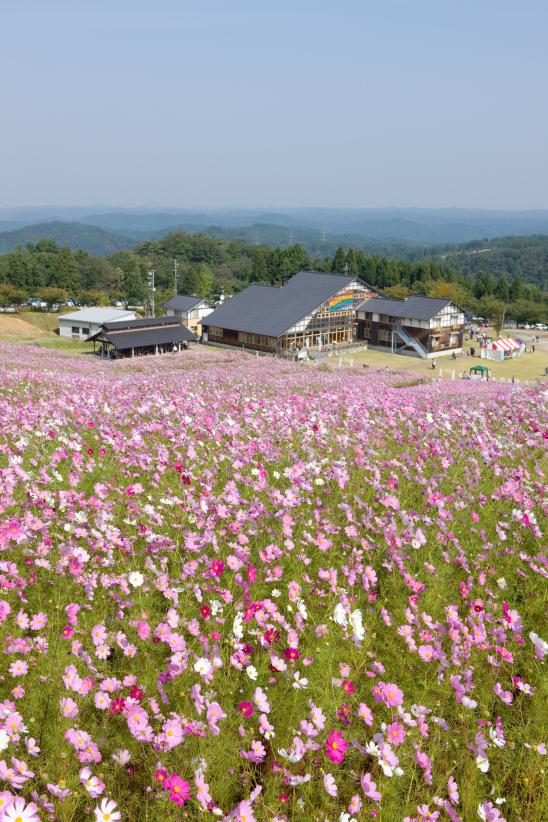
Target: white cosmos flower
column 496, row 738
column 202, row 666
column 483, row 763
column 4, row 740
column 18, row 811
column 372, row 749
column 251, row 671
column 340, row 614
column 358, row 631
column 136, row 579
column 237, row 626
column 300, row 682
column 107, row 811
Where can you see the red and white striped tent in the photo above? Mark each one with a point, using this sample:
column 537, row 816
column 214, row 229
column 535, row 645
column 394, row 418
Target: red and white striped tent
column 503, row 348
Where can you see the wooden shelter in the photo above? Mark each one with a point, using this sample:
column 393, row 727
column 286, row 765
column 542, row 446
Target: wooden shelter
column 134, row 338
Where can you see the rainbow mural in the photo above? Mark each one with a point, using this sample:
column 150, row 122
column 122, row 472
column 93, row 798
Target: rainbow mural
column 341, row 301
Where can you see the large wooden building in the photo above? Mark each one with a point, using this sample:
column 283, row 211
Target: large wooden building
column 134, row 338
column 313, row 310
column 423, row 326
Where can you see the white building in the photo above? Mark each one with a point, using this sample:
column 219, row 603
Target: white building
column 190, row 311
column 79, row 325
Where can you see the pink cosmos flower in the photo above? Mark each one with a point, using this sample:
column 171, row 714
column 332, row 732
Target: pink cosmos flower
column 6, row 798
column 453, row 791
column 202, row 790
column 329, row 784
column 392, row 696
column 92, row 784
column 244, row 812
column 426, row 652
column 336, row 747
column 395, row 733
column 365, row 713
column 173, row 732
column 370, row 788
column 256, row 754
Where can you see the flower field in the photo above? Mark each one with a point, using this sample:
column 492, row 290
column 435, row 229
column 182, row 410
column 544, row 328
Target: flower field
column 251, row 590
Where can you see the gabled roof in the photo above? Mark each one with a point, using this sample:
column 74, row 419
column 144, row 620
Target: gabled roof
column 415, row 308
column 183, row 302
column 98, row 315
column 145, row 322
column 142, row 333
column 268, row 310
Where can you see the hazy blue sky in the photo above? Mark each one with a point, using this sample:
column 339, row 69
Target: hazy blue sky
column 288, row 102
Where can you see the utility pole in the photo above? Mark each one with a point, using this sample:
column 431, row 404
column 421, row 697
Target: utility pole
column 175, row 267
column 151, row 275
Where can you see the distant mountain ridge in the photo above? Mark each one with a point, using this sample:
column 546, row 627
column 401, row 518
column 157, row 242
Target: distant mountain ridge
column 76, row 236
column 416, row 226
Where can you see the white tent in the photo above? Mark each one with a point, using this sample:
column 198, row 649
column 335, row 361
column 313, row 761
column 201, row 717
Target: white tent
column 503, row 349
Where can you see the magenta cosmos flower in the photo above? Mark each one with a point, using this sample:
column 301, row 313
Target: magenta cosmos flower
column 179, row 790
column 336, row 746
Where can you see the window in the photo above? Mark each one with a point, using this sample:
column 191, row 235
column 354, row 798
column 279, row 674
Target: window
column 75, row 329
column 214, row 331
column 384, row 335
column 85, row 331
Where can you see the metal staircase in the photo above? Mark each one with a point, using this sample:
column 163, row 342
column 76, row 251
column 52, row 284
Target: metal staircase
column 408, row 342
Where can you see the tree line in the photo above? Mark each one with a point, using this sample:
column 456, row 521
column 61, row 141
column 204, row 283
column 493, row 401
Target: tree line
column 207, row 267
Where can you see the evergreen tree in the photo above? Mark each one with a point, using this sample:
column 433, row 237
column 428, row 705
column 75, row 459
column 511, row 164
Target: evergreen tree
column 502, row 289
column 352, row 262
column 339, row 261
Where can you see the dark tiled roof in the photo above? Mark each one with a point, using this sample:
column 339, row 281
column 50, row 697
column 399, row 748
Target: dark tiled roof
column 183, row 302
column 265, row 309
column 146, row 322
column 144, row 332
column 166, row 335
column 415, row 308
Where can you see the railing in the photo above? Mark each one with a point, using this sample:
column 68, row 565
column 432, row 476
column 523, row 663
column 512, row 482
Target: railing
column 410, row 341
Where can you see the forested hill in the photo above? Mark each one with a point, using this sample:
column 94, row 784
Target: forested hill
column 523, row 257
column 207, row 266
column 75, row 236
